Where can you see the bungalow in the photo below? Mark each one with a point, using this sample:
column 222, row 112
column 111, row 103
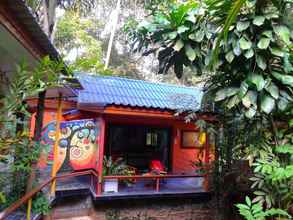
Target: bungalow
column 127, row 132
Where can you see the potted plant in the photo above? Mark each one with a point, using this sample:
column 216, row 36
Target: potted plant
column 200, row 169
column 113, row 168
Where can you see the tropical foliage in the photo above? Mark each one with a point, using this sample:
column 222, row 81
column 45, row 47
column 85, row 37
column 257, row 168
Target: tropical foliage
column 245, row 50
column 254, row 211
column 115, row 167
column 254, row 62
column 17, row 147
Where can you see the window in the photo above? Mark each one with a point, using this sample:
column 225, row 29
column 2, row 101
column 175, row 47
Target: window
column 190, row 139
column 152, row 139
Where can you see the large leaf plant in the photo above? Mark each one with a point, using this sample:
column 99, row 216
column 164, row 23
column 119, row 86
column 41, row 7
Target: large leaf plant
column 255, row 61
column 178, row 34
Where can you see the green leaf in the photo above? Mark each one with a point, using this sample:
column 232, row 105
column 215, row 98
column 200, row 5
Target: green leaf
column 273, row 90
column 233, row 101
column 261, row 63
column 282, row 104
column 285, row 79
column 172, row 35
column 283, row 33
column 291, row 123
column 236, row 49
column 248, row 201
column 225, row 93
column 257, row 80
column 258, row 20
column 248, row 54
column 243, row 89
column 250, row 112
column 285, row 149
column 181, row 29
column 191, row 18
column 242, row 25
column 249, row 99
column 267, row 104
column 276, row 51
column 263, row 43
column 192, row 36
column 245, row 44
column 242, row 206
column 190, row 53
column 268, row 34
column 199, row 35
column 178, row 45
column 259, row 193
column 229, row 56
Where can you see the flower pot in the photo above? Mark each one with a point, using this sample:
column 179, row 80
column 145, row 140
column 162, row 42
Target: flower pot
column 199, row 182
column 111, row 186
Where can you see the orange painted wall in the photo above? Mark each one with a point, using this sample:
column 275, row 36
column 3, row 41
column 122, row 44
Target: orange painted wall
column 182, row 157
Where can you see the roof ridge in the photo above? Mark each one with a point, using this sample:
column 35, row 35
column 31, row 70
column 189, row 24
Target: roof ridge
column 139, row 80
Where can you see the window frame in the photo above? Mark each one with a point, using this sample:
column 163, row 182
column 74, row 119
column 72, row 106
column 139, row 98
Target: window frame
column 195, row 146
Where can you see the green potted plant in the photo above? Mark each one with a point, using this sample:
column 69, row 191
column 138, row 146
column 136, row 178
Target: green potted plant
column 114, row 168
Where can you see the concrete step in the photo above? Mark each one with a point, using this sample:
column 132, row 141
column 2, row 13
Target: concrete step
column 77, row 218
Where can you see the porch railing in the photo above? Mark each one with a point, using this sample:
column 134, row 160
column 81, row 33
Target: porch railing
column 94, row 182
column 156, row 178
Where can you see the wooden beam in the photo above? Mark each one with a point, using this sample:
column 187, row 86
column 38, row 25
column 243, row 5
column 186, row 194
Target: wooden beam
column 101, row 155
column 21, row 35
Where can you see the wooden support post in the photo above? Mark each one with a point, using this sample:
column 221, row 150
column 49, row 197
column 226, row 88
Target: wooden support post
column 157, row 185
column 207, row 160
column 29, row 209
column 55, row 149
column 101, row 156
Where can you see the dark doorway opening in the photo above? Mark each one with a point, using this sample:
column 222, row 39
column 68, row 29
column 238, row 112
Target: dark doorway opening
column 138, row 145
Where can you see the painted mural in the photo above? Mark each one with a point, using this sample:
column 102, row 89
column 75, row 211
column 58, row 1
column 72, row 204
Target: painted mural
column 47, row 140
column 79, row 142
column 77, row 147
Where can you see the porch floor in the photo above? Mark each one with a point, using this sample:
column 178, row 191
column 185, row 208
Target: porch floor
column 167, row 186
column 141, row 189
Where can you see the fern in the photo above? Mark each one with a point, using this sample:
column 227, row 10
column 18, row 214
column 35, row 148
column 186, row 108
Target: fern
column 254, row 211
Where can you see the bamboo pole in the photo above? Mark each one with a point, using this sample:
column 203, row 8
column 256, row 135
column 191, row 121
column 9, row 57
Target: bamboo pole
column 55, row 148
column 115, row 22
column 29, row 208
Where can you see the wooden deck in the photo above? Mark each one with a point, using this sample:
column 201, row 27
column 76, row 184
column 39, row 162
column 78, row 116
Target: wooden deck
column 145, row 188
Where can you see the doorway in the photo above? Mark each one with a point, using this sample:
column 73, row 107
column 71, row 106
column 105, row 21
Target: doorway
column 138, row 145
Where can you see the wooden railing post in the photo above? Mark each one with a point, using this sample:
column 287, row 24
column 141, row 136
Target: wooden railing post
column 157, row 185
column 101, row 157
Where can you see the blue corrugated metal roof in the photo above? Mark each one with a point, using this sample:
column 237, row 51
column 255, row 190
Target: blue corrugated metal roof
column 109, row 90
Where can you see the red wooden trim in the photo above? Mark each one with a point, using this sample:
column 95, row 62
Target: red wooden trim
column 18, row 32
column 144, row 112
column 101, row 156
column 207, row 149
column 168, row 176
column 50, row 104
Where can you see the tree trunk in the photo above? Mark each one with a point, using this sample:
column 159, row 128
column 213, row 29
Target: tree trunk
column 37, row 135
column 49, row 7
